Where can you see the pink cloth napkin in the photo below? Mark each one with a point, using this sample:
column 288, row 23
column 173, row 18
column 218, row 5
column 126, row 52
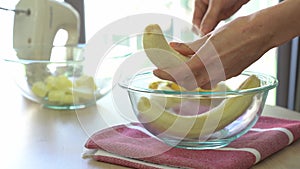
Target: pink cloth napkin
column 128, row 145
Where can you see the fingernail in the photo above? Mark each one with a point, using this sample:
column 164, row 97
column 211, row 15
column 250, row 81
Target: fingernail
column 174, row 44
column 201, row 33
column 204, row 30
column 156, row 72
column 197, row 31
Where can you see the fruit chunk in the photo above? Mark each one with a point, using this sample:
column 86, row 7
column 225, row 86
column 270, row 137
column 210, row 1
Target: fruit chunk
column 83, row 92
column 56, row 95
column 169, row 102
column 86, row 81
column 60, row 82
column 40, row 89
column 169, row 85
column 61, row 90
column 84, row 87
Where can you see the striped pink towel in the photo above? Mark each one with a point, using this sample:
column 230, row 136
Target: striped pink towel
column 129, row 145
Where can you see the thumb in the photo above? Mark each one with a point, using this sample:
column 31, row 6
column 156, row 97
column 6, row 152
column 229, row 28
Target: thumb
column 182, row 48
column 189, row 48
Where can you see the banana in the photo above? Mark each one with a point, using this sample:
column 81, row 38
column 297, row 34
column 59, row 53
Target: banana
column 159, row 121
column 158, row 50
column 163, row 56
column 169, row 102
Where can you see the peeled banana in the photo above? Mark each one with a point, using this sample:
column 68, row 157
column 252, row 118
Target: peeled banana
column 157, row 120
column 158, row 50
column 169, row 102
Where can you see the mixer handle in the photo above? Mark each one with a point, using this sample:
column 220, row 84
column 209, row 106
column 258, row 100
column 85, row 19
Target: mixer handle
column 67, row 18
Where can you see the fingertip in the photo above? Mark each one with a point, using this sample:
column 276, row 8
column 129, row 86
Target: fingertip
column 182, row 48
column 197, row 30
column 207, row 86
column 201, row 33
column 159, row 73
column 162, row 74
column 196, row 23
column 205, row 1
column 210, row 19
column 204, row 29
column 179, row 47
column 156, row 72
column 174, row 44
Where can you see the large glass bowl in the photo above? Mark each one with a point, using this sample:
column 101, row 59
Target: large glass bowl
column 197, row 119
column 58, row 81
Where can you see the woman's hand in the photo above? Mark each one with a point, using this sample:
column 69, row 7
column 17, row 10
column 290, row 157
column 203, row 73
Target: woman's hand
column 221, row 54
column 227, row 51
column 208, row 13
column 217, row 56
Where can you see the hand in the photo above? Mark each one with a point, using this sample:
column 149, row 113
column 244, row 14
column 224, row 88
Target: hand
column 208, row 13
column 222, row 54
column 227, row 51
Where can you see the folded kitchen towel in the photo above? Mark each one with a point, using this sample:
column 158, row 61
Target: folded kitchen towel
column 130, row 145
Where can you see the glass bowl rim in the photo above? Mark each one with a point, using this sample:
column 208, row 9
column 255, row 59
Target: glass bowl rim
column 29, row 61
column 272, row 83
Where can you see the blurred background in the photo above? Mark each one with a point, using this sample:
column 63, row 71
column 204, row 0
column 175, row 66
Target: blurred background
column 97, row 14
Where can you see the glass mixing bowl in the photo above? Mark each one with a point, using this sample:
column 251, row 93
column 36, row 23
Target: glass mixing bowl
column 58, row 82
column 197, row 119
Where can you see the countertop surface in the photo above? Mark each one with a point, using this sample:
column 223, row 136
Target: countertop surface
column 33, row 137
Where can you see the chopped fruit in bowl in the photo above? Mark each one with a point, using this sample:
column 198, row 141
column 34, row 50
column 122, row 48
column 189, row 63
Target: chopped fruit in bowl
column 61, row 83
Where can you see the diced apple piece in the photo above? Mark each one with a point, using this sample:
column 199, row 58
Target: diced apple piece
column 58, row 83
column 83, row 92
column 56, row 95
column 50, row 82
column 68, row 99
column 63, row 82
column 86, row 81
column 61, row 90
column 40, row 89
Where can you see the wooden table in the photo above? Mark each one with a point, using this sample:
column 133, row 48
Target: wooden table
column 33, row 137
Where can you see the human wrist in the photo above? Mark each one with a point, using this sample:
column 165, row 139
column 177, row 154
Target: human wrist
column 255, row 32
column 279, row 23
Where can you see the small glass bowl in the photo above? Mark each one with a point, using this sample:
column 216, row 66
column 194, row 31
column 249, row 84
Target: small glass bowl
column 197, row 119
column 57, row 81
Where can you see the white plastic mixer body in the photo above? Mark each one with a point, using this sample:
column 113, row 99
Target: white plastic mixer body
column 35, row 31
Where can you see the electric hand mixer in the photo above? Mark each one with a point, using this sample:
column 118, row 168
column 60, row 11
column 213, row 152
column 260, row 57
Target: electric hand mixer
column 35, row 30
